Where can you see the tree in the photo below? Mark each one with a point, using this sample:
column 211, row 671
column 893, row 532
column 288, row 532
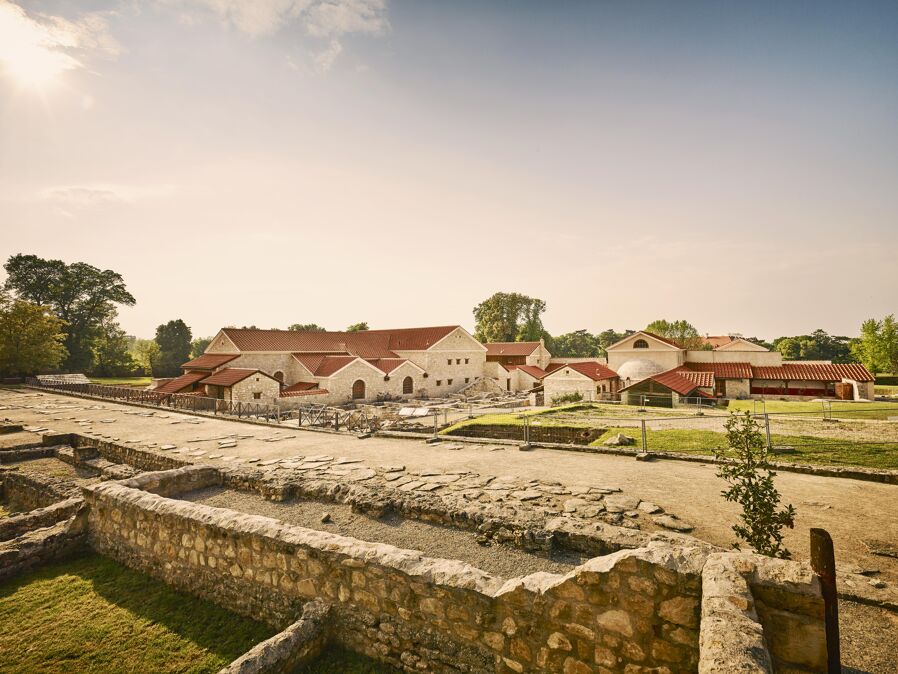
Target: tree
column 307, row 327
column 877, row 347
column 199, row 345
column 681, row 332
column 751, row 486
column 31, row 338
column 608, row 337
column 111, row 351
column 173, row 339
column 577, row 344
column 145, row 353
column 357, row 327
column 509, row 317
column 819, row 345
column 79, row 294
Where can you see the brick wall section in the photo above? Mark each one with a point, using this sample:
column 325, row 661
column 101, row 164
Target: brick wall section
column 636, row 607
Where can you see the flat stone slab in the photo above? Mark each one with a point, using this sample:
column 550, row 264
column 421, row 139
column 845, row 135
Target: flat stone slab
column 672, row 523
column 527, row 494
column 620, row 503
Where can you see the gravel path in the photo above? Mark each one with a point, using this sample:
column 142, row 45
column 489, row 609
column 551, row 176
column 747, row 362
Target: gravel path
column 868, row 639
column 433, row 540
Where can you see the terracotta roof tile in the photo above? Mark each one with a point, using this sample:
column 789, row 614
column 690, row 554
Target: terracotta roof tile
column 813, row 372
column 308, row 392
column 510, row 348
column 298, row 387
column 178, row 383
column 723, row 370
column 209, row 361
column 592, row 369
column 532, row 370
column 232, row 375
column 676, row 382
column 387, row 365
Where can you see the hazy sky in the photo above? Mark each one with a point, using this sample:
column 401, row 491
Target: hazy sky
column 331, row 161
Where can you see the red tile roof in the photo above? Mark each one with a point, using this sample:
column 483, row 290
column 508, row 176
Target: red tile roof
column 309, row 392
column 813, row 372
column 715, row 341
column 510, row 348
column 323, row 365
column 723, row 370
column 676, row 382
column 299, row 388
column 178, row 383
column 551, row 367
column 209, row 361
column 387, row 365
column 532, row 370
column 699, row 378
column 590, row 368
column 366, row 344
column 232, row 375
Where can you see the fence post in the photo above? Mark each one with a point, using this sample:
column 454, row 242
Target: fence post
column 767, row 429
column 436, row 423
column 645, row 443
column 823, row 561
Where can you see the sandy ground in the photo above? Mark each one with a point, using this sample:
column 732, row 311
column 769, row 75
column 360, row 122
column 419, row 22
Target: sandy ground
column 868, row 639
column 430, row 539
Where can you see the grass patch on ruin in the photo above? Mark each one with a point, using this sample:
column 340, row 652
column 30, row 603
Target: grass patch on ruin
column 122, row 381
column 806, row 449
column 91, row 614
column 340, row 661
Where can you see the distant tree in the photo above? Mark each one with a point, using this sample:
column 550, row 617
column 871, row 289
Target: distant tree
column 79, row 294
column 509, row 317
column 760, row 342
column 307, row 327
column 750, row 478
column 819, row 345
column 145, row 353
column 31, row 338
column 111, row 351
column 173, row 339
column 681, row 332
column 608, row 337
column 577, row 344
column 877, row 347
column 199, row 345
column 357, row 327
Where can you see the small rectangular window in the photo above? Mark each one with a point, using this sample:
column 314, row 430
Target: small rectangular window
column 439, row 382
column 257, row 396
column 449, row 362
column 467, row 360
column 448, row 382
column 458, row 361
column 467, row 379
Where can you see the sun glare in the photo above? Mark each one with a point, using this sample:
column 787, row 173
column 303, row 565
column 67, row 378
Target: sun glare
column 29, row 51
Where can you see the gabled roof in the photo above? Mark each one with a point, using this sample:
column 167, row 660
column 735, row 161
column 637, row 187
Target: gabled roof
column 387, row 365
column 366, row 344
column 723, row 370
column 233, row 375
column 209, row 361
column 715, row 341
column 179, row 383
column 703, row 379
column 814, row 372
column 679, row 380
column 590, row 368
column 532, row 370
column 646, row 333
column 510, row 348
column 300, row 388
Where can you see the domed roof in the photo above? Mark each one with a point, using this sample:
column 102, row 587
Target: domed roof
column 638, row 369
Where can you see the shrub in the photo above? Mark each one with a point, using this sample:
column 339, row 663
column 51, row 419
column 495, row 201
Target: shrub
column 751, row 486
column 565, row 398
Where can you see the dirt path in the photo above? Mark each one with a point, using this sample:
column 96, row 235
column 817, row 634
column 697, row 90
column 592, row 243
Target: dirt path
column 850, row 510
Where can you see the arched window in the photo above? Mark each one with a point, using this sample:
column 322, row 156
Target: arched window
column 408, row 385
column 279, row 376
column 358, row 389
column 640, row 344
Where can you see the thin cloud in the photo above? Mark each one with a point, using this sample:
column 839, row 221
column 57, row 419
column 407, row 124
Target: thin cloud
column 83, row 196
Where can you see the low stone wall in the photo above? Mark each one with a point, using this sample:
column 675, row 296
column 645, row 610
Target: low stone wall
column 17, row 525
column 32, row 490
column 116, row 453
column 283, row 653
column 636, row 607
column 42, row 545
column 559, row 434
column 25, row 454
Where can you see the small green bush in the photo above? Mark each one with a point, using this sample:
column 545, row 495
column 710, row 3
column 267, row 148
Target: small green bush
column 565, row 398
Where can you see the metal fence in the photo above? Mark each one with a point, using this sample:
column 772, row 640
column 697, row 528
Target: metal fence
column 305, row 415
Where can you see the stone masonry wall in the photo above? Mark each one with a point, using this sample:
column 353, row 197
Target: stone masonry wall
column 634, row 610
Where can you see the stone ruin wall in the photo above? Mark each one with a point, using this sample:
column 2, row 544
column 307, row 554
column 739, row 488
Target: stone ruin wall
column 635, row 611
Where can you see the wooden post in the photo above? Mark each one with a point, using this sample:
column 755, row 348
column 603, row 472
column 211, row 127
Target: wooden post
column 645, row 443
column 823, row 561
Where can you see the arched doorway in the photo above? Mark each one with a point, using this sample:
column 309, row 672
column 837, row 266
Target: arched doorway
column 408, row 386
column 279, row 376
column 358, row 389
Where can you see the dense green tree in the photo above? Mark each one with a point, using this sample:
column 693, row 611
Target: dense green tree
column 819, row 345
column 145, row 353
column 307, row 327
column 682, row 332
column 577, row 344
column 608, row 337
column 877, row 347
column 79, row 294
column 509, row 317
column 31, row 338
column 173, row 339
column 357, row 327
column 199, row 345
column 112, row 351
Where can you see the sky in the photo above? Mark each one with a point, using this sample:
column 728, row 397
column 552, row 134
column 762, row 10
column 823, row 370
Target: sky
column 398, row 161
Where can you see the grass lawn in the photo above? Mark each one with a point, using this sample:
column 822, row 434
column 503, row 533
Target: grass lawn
column 91, row 614
column 843, row 410
column 885, row 390
column 808, row 449
column 122, row 381
column 339, row 661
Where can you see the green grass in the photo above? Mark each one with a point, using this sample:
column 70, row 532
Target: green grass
column 885, row 390
column 808, row 449
column 844, row 410
column 122, row 381
column 91, row 614
column 339, row 661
